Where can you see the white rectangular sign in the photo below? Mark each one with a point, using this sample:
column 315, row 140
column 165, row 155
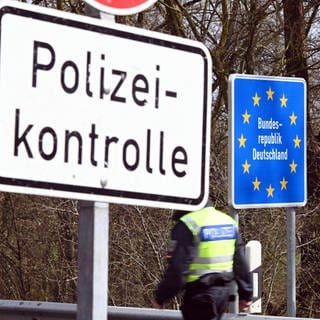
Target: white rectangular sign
column 102, row 112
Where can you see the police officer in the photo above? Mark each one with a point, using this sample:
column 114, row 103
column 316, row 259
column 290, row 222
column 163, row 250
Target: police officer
column 205, row 255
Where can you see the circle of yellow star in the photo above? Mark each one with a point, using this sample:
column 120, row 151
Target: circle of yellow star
column 283, row 183
column 256, row 99
column 283, row 100
column 256, row 184
column 246, row 166
column 270, row 94
column 270, row 191
column 293, row 118
column 293, row 166
column 296, row 141
column 246, row 116
column 242, row 140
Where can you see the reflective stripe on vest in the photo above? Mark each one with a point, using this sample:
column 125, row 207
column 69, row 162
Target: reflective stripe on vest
column 215, row 235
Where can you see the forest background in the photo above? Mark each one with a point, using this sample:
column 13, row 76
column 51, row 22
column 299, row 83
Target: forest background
column 38, row 247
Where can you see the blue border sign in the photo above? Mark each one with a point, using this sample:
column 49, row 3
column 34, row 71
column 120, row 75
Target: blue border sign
column 267, row 141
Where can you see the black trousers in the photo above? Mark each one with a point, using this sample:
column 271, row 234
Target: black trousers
column 205, row 303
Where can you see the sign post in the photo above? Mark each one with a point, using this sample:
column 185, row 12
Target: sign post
column 267, row 151
column 93, row 251
column 93, row 257
column 267, row 165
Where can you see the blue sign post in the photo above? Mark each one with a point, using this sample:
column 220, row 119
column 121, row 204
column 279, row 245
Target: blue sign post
column 267, row 141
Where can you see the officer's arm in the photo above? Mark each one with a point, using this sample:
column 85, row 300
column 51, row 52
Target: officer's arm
column 178, row 259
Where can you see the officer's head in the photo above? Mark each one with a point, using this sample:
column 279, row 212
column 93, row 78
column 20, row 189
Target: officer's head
column 177, row 214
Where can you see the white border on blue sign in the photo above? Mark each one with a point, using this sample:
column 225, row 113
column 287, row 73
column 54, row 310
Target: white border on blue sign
column 231, row 146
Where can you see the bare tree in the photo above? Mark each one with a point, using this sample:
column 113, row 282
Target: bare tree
column 267, row 37
column 296, row 63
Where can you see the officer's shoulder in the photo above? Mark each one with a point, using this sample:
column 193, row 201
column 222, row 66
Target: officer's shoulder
column 222, row 213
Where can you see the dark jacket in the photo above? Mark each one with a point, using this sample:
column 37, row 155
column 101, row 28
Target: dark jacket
column 179, row 258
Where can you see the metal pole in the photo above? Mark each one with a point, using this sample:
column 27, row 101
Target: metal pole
column 93, row 251
column 93, row 245
column 234, row 305
column 291, row 262
column 93, row 261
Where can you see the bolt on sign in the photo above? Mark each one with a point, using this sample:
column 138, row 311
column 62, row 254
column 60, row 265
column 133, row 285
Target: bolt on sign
column 102, row 112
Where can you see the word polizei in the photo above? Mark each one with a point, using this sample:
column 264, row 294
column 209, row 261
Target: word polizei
column 134, row 154
column 139, row 85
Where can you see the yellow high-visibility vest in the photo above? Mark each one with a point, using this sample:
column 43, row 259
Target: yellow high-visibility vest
column 215, row 235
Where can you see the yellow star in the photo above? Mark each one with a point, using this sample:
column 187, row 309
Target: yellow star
column 283, row 183
column 297, row 142
column 270, row 191
column 256, row 184
column 293, row 166
column 293, row 118
column 242, row 141
column 246, row 166
column 270, row 94
column 283, row 100
column 246, row 116
column 256, row 100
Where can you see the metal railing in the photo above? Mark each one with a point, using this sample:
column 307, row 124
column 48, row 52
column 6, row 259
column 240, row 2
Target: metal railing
column 36, row 310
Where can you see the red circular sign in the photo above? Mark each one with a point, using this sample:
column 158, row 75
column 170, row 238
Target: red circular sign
column 121, row 7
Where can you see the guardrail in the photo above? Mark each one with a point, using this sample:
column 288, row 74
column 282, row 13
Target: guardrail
column 37, row 310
